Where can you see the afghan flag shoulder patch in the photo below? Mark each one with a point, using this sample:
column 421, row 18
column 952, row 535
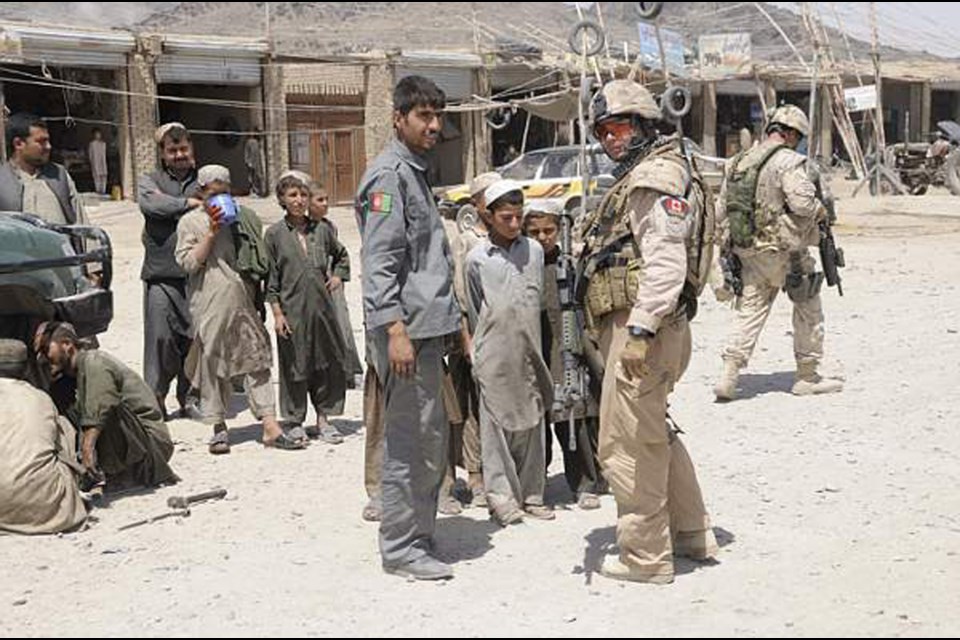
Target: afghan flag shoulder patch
column 381, row 202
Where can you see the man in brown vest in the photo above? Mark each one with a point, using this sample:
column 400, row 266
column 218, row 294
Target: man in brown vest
column 29, row 182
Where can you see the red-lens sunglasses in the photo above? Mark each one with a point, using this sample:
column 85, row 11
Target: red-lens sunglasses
column 617, row 128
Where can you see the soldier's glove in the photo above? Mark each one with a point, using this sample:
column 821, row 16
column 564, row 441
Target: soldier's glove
column 633, row 360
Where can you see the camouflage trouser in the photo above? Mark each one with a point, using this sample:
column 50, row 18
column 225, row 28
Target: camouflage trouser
column 649, row 471
column 764, row 276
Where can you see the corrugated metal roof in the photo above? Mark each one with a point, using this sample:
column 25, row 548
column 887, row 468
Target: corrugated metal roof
column 187, row 69
column 67, row 47
column 218, row 46
column 456, row 82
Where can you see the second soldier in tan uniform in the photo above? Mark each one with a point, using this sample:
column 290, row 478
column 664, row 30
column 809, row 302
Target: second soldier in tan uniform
column 645, row 252
column 771, row 236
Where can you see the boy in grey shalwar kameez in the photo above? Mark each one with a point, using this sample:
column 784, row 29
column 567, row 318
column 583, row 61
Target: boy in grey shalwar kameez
column 504, row 275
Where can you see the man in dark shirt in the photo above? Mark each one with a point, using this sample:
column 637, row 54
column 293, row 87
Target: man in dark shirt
column 164, row 197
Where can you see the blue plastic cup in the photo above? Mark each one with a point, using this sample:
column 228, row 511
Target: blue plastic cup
column 227, row 205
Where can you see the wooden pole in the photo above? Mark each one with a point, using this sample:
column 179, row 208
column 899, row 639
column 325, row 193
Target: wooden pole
column 834, row 89
column 606, row 41
column 875, row 45
column 783, row 35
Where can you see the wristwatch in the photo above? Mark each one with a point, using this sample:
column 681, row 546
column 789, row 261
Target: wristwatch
column 640, row 332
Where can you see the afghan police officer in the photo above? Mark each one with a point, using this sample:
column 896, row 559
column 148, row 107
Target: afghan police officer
column 647, row 256
column 771, row 213
column 410, row 311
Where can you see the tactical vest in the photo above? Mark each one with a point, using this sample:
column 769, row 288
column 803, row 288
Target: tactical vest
column 613, row 265
column 744, row 215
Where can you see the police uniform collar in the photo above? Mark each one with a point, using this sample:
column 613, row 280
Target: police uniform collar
column 416, row 161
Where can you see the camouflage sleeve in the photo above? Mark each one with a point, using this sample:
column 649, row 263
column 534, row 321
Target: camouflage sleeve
column 661, row 226
column 801, row 194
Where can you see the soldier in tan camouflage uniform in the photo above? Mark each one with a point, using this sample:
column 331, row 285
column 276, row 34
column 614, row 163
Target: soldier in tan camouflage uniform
column 771, row 242
column 647, row 254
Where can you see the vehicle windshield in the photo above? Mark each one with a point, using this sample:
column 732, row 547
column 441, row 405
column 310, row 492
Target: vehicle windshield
column 557, row 164
column 601, row 164
column 523, row 168
column 560, row 165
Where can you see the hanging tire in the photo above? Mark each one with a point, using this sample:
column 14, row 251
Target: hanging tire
column 951, row 169
column 467, row 218
column 590, row 28
column 676, row 102
column 648, row 10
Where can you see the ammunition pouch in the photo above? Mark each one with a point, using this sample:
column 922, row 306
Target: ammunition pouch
column 612, row 287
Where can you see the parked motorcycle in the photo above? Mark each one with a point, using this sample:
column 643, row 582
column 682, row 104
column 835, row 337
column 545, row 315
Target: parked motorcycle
column 920, row 165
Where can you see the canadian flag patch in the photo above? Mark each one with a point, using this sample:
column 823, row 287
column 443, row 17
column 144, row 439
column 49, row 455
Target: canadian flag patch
column 676, row 207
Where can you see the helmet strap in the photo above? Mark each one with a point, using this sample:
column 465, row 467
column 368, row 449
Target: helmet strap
column 642, row 143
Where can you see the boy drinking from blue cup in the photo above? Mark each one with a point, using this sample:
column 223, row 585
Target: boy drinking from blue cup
column 230, row 340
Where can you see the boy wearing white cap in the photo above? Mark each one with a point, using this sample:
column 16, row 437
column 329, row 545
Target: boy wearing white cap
column 581, row 467
column 462, row 242
column 504, row 275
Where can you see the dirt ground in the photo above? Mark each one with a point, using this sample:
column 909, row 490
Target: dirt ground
column 838, row 515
